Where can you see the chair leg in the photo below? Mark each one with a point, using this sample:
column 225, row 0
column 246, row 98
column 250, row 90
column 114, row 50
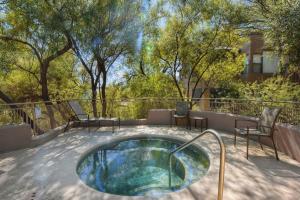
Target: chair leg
column 260, row 143
column 201, row 124
column 247, row 144
column 234, row 138
column 67, row 126
column 188, row 124
column 276, row 154
column 171, row 119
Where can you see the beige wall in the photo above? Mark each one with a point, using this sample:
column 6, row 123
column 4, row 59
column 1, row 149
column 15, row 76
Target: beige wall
column 287, row 137
column 287, row 140
column 13, row 137
column 159, row 117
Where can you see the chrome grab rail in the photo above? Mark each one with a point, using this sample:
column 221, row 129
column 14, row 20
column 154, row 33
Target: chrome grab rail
column 222, row 158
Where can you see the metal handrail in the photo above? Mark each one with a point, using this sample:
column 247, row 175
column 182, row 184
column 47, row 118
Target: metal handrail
column 222, row 158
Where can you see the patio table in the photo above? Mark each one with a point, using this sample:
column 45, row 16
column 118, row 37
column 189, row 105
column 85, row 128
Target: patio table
column 201, row 119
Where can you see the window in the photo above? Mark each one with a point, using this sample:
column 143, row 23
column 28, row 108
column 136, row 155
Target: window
column 257, row 58
column 257, row 63
column 271, row 62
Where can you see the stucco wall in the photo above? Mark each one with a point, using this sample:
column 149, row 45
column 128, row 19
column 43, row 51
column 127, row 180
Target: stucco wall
column 13, row 137
column 159, row 117
column 287, row 137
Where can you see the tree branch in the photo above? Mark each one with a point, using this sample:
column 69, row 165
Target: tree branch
column 10, row 38
column 76, row 50
column 165, row 60
column 28, row 71
column 60, row 52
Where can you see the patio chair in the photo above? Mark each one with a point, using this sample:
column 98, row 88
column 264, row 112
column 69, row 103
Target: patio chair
column 182, row 112
column 81, row 116
column 265, row 127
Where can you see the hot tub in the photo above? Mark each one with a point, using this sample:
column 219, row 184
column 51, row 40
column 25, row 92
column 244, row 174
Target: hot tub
column 139, row 166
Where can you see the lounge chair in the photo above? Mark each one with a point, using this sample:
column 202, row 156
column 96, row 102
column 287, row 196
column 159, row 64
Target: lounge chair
column 81, row 116
column 264, row 127
column 182, row 112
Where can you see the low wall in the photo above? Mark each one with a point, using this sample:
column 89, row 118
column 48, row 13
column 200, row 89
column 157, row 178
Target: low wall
column 287, row 137
column 14, row 137
column 159, row 117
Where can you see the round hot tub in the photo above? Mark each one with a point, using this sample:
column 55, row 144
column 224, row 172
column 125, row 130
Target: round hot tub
column 140, row 166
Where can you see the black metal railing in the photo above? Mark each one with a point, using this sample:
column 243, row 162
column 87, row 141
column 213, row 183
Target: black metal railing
column 43, row 116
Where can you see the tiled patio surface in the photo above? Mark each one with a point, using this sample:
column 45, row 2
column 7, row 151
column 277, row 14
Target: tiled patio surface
column 48, row 171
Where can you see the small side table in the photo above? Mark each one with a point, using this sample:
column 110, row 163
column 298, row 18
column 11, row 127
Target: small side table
column 113, row 122
column 201, row 119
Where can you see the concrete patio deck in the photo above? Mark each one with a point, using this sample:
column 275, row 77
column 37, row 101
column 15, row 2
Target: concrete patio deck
column 48, row 171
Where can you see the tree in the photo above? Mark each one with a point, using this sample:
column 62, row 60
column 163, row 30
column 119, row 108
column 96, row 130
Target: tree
column 5, row 70
column 280, row 23
column 37, row 27
column 104, row 33
column 198, row 44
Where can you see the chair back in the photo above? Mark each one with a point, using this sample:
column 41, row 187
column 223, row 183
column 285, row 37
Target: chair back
column 182, row 108
column 268, row 119
column 65, row 110
column 77, row 109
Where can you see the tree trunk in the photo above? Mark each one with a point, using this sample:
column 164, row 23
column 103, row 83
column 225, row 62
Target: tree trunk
column 25, row 117
column 94, row 99
column 45, row 94
column 178, row 88
column 62, row 110
column 103, row 94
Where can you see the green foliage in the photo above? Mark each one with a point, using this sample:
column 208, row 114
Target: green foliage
column 63, row 81
column 198, row 44
column 155, row 85
column 280, row 22
column 183, row 44
column 146, row 90
column 272, row 89
column 36, row 23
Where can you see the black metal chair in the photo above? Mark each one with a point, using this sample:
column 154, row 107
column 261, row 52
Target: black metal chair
column 264, row 127
column 81, row 116
column 182, row 112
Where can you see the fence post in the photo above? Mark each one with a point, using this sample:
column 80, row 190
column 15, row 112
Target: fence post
column 33, row 118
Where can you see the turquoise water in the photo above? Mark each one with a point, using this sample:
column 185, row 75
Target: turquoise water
column 139, row 167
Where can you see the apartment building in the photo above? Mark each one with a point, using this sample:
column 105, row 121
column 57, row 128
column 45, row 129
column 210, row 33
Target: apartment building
column 261, row 62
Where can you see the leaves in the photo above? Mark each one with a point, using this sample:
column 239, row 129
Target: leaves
column 272, row 89
column 140, row 48
column 197, row 43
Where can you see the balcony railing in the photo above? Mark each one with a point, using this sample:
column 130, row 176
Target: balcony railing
column 38, row 114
